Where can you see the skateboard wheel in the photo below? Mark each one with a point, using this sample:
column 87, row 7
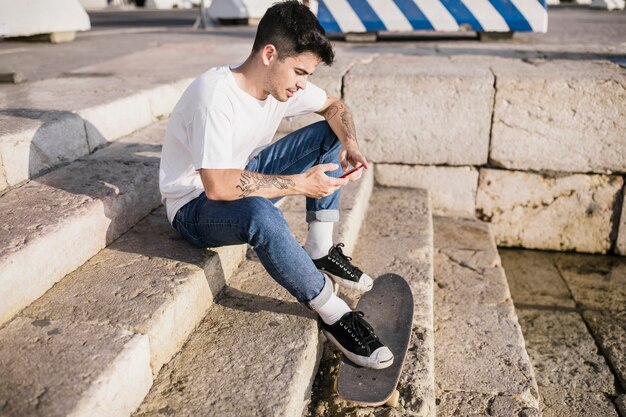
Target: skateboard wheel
column 393, row 400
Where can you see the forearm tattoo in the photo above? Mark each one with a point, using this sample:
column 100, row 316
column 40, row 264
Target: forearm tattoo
column 346, row 118
column 253, row 181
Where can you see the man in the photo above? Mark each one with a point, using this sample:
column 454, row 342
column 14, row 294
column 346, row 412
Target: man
column 220, row 174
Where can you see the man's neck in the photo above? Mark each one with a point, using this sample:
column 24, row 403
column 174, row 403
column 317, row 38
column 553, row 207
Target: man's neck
column 250, row 79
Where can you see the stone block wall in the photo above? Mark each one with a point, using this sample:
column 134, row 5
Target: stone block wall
column 537, row 148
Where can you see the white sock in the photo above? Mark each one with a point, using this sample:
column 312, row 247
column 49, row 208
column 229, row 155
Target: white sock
column 333, row 309
column 319, row 239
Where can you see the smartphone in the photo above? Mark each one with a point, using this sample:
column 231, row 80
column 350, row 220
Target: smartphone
column 351, row 171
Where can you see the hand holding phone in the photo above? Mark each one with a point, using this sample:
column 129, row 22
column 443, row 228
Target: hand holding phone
column 353, row 170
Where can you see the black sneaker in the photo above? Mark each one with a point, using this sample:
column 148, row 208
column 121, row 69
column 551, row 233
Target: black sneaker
column 341, row 270
column 356, row 339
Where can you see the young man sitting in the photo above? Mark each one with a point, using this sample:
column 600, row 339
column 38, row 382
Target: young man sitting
column 220, row 174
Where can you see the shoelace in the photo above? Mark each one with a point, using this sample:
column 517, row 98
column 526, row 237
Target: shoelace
column 362, row 330
column 343, row 261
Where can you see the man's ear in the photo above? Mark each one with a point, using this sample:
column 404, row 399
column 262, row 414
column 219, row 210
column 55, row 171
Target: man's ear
column 268, row 53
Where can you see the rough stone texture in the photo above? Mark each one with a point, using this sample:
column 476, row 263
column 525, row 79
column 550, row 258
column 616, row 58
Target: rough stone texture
column 620, row 403
column 250, row 356
column 482, row 405
column 559, row 116
column 559, row 402
column 54, row 368
column 331, row 80
column 149, row 281
column 422, row 110
column 467, row 272
column 481, row 349
column 398, row 229
column 3, row 178
column 480, row 354
column 609, row 331
column 573, row 212
column 452, row 189
column 620, row 245
column 563, row 352
column 597, row 283
column 534, row 280
column 43, row 234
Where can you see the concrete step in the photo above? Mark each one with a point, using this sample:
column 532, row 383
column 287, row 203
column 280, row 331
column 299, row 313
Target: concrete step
column 52, row 122
column 481, row 363
column 256, row 352
column 52, row 225
column 396, row 237
column 149, row 289
column 571, row 310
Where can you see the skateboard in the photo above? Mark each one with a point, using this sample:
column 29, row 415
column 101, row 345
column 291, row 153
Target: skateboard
column 388, row 307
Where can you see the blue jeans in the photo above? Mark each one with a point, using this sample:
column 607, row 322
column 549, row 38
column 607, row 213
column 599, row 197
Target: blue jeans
column 256, row 221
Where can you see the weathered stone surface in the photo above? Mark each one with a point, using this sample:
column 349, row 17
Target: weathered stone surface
column 620, row 403
column 596, row 282
column 422, row 110
column 609, row 331
column 54, row 368
column 331, row 80
column 563, row 352
column 253, row 355
column 3, row 178
column 482, row 405
column 573, row 212
column 452, row 189
column 559, row 115
column 620, row 245
column 480, row 349
column 398, row 229
column 43, row 234
column 149, row 281
column 534, row 280
column 559, row 402
column 467, row 265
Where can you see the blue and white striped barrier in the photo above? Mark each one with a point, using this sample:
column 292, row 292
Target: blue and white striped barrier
column 344, row 16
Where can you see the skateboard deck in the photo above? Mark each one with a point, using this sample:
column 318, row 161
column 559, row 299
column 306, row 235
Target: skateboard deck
column 388, row 307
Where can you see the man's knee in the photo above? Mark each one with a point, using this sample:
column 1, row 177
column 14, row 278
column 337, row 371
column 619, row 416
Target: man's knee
column 266, row 221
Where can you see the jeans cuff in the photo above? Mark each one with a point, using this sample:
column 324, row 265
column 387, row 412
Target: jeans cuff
column 322, row 216
column 323, row 297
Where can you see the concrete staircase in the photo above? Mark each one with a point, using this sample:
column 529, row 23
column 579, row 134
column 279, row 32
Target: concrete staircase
column 106, row 311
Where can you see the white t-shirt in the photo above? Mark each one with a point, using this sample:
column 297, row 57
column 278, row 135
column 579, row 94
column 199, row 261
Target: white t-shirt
column 217, row 125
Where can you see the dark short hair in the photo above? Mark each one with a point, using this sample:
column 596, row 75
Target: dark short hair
column 293, row 29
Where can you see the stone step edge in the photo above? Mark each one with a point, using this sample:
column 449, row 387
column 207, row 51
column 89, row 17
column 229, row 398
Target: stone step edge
column 354, row 205
column 41, row 257
column 87, row 129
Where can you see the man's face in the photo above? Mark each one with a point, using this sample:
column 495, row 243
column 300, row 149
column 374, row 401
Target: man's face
column 288, row 76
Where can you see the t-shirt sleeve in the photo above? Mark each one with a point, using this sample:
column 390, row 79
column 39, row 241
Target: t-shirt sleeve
column 210, row 135
column 309, row 100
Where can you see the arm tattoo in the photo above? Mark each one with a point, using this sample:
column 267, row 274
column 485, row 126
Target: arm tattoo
column 346, row 119
column 253, row 181
column 332, row 111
